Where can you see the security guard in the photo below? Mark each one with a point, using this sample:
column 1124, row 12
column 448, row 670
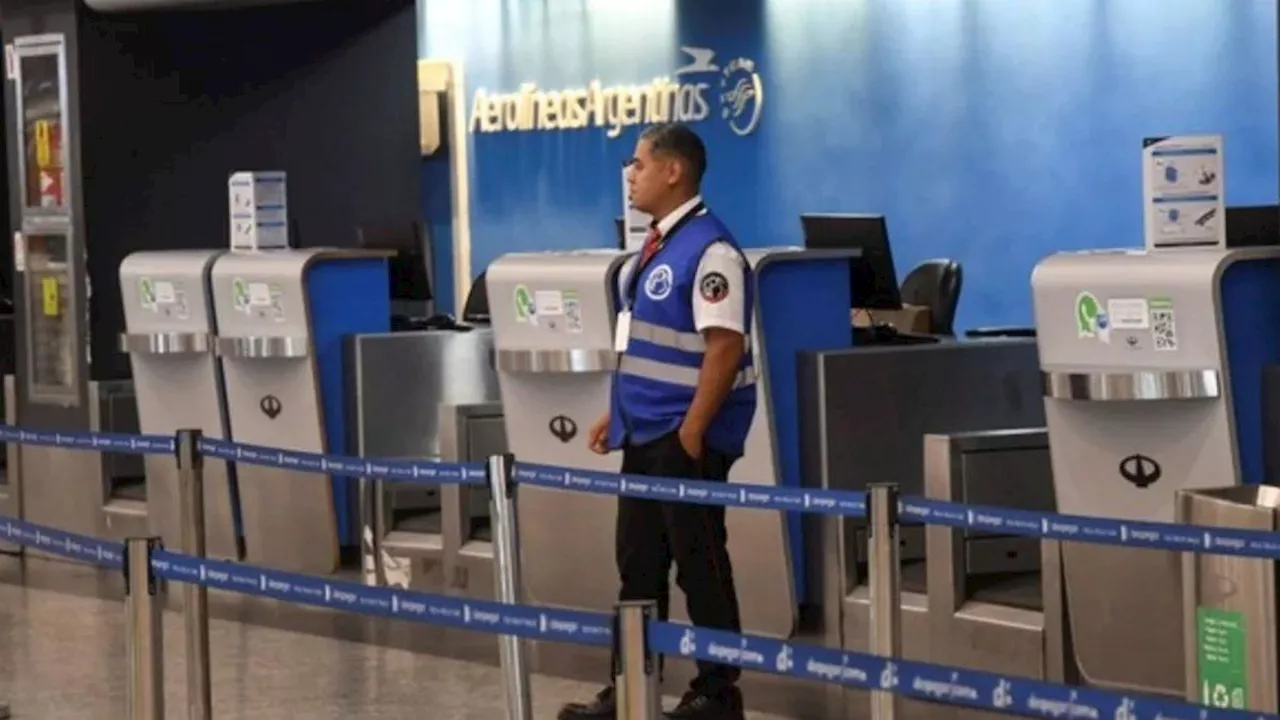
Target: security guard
column 683, row 399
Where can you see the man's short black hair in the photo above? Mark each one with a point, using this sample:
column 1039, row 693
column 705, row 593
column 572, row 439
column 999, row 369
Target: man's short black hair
column 679, row 140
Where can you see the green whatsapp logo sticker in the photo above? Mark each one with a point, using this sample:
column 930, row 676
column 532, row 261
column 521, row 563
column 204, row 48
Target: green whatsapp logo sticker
column 239, row 294
column 147, row 293
column 1087, row 311
column 524, row 303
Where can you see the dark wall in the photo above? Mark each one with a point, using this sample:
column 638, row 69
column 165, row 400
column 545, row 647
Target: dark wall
column 173, row 102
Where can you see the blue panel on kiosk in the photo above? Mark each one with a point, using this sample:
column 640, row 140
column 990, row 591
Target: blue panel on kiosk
column 345, row 296
column 1249, row 294
column 803, row 303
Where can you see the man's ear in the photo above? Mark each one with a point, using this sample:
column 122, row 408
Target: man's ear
column 675, row 172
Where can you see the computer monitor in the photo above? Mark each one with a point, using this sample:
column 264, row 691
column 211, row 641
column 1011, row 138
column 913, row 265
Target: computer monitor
column 408, row 270
column 1253, row 226
column 873, row 280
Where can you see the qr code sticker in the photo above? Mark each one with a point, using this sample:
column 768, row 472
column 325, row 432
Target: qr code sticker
column 1163, row 331
column 573, row 314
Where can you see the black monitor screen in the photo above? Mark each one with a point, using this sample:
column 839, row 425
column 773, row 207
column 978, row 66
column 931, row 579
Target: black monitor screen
column 407, row 267
column 407, row 275
column 873, row 279
column 1253, row 226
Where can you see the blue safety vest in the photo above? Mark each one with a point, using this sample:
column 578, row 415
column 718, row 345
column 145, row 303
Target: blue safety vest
column 658, row 374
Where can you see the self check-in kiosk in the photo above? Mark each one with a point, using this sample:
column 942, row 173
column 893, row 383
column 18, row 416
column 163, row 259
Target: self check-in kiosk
column 553, row 321
column 169, row 326
column 1152, row 365
column 282, row 316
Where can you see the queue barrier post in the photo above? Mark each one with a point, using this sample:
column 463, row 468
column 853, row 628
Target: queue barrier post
column 513, row 650
column 371, row 493
column 885, row 579
column 195, row 597
column 144, row 638
column 635, row 664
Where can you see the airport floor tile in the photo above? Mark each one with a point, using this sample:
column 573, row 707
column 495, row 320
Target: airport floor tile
column 62, row 657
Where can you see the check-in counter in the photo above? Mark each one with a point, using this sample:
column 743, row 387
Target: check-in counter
column 470, row 433
column 404, row 390
column 995, row 600
column 863, row 415
column 99, row 494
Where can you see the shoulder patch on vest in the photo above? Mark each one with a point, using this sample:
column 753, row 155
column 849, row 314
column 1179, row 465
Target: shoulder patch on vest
column 714, row 287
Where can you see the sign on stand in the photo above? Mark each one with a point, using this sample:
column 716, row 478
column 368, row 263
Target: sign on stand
column 259, row 204
column 1182, row 186
column 1220, row 650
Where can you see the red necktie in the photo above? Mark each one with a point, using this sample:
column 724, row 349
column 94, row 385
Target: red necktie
column 652, row 242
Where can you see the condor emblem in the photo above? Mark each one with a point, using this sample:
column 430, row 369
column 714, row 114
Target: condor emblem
column 270, row 406
column 1140, row 470
column 563, row 428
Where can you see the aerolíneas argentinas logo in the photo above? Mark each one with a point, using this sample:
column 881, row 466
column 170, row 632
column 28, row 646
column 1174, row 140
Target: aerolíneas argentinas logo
column 735, row 89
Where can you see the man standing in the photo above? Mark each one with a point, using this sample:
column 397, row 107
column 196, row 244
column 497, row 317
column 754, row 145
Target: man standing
column 682, row 401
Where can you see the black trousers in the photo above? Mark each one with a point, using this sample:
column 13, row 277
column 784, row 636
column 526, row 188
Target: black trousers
column 652, row 535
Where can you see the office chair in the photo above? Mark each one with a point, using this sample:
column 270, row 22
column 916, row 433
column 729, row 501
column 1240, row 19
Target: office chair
column 935, row 284
column 476, row 309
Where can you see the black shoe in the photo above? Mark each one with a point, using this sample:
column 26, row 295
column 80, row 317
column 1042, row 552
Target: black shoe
column 604, row 707
column 722, row 705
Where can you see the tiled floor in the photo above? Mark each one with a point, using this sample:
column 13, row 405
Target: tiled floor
column 62, row 657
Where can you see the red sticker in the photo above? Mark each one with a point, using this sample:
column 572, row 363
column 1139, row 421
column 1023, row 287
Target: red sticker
column 714, row 287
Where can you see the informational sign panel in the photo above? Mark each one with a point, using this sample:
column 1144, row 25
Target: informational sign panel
column 1183, row 181
column 1220, row 640
column 635, row 224
column 259, row 210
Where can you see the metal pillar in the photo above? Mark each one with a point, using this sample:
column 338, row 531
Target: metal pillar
column 195, row 597
column 885, row 573
column 513, row 650
column 144, row 634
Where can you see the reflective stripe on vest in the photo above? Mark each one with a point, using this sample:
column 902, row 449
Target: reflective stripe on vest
column 674, row 339
column 676, row 374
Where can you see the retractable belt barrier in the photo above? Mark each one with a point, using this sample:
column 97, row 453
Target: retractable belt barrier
column 584, row 628
column 1028, row 523
column 926, row 681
